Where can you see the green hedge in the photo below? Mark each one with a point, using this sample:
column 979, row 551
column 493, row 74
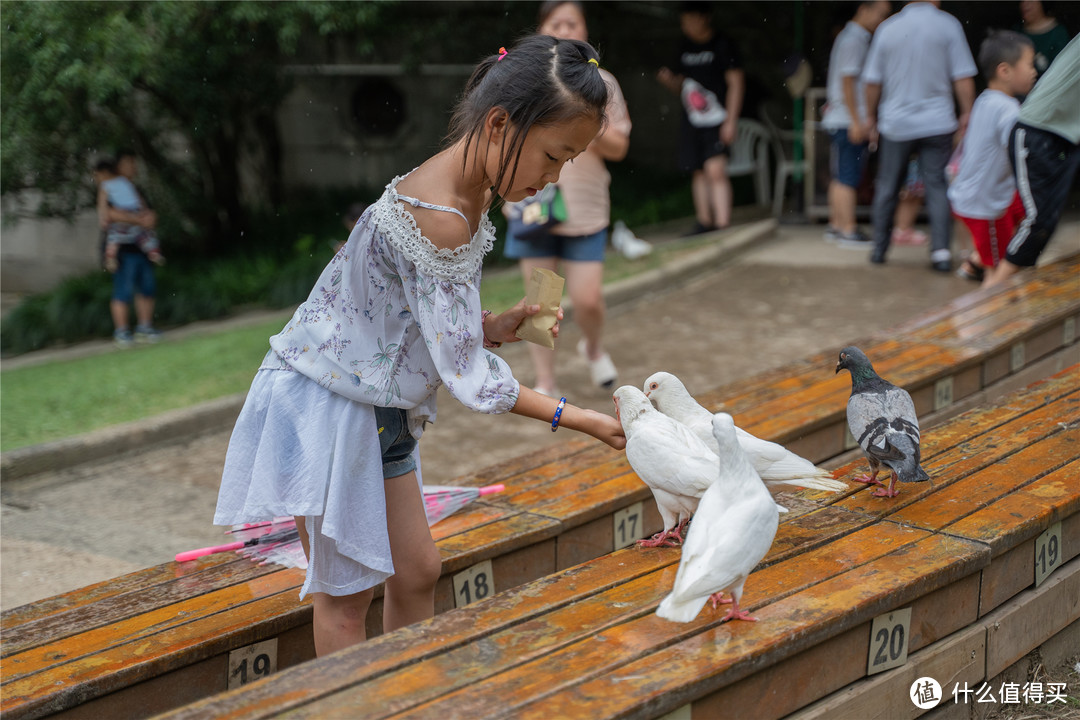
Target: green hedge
column 272, row 268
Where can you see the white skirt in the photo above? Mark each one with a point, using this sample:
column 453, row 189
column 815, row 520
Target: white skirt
column 300, row 449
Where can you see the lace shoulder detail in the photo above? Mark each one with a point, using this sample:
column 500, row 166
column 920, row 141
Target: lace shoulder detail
column 399, row 227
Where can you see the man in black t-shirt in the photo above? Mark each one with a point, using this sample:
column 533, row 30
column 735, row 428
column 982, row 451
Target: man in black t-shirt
column 708, row 76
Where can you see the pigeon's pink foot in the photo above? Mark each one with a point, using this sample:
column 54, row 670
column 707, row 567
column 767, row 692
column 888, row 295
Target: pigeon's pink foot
column 661, row 539
column 887, row 492
column 734, row 613
column 718, row 599
column 867, row 480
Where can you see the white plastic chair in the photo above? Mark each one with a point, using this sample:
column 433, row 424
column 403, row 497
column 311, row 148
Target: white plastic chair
column 750, row 156
column 783, row 143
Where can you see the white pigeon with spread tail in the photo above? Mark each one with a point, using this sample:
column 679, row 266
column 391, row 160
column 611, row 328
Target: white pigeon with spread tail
column 670, row 459
column 733, row 529
column 774, row 463
column 883, row 421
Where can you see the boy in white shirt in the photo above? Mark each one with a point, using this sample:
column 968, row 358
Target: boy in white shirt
column 983, row 195
column 845, row 119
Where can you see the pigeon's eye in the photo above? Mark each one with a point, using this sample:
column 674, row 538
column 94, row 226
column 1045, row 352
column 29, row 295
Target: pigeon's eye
column 652, row 387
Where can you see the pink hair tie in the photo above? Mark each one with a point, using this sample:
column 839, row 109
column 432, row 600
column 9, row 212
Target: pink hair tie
column 502, row 54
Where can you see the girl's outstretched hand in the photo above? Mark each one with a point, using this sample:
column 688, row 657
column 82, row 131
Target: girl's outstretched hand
column 500, row 328
column 604, row 428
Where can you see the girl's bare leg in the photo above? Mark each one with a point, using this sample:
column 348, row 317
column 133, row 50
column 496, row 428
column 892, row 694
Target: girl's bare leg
column 410, row 593
column 584, row 284
column 338, row 620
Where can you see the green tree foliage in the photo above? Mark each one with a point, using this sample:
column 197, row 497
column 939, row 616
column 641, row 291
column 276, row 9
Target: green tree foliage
column 192, row 87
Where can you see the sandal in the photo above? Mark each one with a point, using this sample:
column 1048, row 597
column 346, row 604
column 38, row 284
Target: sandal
column 970, row 271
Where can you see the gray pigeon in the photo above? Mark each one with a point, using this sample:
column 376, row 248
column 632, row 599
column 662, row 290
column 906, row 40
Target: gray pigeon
column 883, row 421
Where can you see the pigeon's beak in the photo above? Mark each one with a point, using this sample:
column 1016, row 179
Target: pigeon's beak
column 840, row 363
column 648, row 393
column 616, row 401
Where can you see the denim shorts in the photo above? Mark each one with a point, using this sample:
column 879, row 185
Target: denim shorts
column 395, row 442
column 579, row 248
column 135, row 274
column 847, row 159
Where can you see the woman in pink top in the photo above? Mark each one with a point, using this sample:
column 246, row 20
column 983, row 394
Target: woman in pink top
column 578, row 243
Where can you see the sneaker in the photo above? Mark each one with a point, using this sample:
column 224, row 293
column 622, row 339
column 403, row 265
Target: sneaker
column 831, row 234
column 854, row 239
column 602, row 370
column 626, row 242
column 699, row 229
column 147, row 334
column 123, row 339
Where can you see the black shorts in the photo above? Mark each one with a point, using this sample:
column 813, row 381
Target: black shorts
column 1044, row 165
column 696, row 145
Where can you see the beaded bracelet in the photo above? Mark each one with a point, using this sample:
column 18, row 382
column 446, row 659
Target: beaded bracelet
column 487, row 343
column 558, row 415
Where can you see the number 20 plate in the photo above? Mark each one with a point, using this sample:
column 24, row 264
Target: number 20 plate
column 889, row 641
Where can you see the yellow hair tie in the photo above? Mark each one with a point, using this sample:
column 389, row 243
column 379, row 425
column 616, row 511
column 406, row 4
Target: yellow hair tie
column 593, row 61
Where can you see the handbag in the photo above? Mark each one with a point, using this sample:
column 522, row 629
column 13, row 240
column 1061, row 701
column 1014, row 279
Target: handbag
column 541, row 213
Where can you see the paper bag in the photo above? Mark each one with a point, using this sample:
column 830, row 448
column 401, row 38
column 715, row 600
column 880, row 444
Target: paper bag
column 544, row 289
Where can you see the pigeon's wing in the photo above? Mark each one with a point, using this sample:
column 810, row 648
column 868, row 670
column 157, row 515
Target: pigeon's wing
column 776, row 460
column 863, row 410
column 665, row 454
column 900, row 409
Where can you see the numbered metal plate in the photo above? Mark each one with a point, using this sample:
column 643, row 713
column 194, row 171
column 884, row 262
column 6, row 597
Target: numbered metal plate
column 889, row 641
column 252, row 662
column 1048, row 553
column 943, row 393
column 627, row 525
column 476, row 583
column 1016, row 357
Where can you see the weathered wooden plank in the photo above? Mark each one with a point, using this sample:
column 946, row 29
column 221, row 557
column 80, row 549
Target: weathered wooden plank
column 52, row 628
column 826, row 401
column 1025, row 513
column 121, row 585
column 506, row 535
column 143, row 627
column 979, row 489
column 520, row 643
column 1028, row 620
column 647, row 663
column 960, row 658
column 442, row 634
column 49, row 679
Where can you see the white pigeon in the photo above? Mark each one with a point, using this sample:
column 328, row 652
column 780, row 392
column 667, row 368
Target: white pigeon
column 670, row 459
column 774, row 463
column 733, row 529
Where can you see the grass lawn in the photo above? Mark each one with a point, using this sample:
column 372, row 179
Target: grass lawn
column 64, row 398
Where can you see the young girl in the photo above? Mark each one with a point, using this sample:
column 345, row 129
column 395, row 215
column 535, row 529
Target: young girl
column 328, row 432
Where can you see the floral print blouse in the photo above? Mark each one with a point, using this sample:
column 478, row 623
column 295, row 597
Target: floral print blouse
column 392, row 317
